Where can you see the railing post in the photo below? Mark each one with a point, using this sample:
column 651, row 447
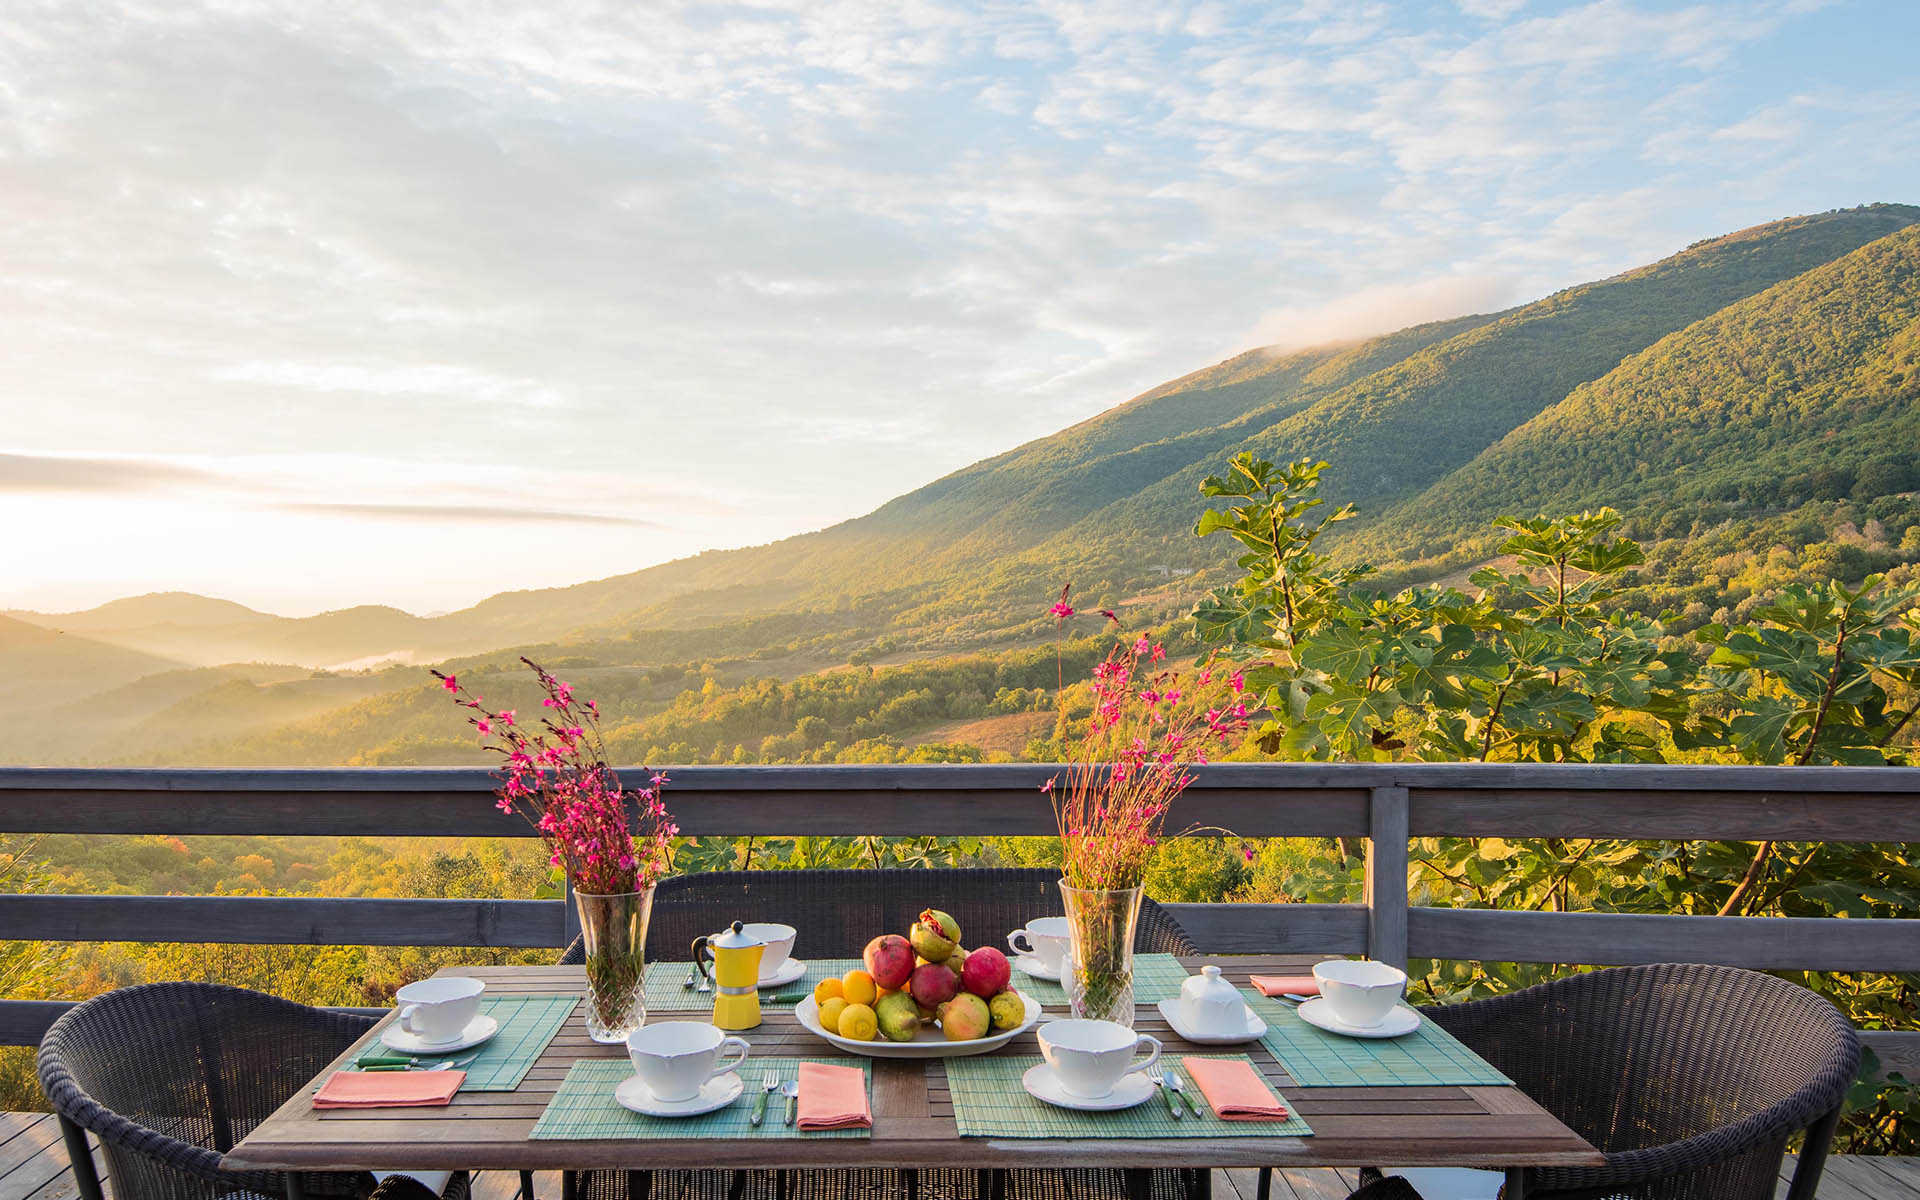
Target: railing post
column 1387, row 834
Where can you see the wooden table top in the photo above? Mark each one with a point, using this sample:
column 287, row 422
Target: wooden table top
column 913, row 1122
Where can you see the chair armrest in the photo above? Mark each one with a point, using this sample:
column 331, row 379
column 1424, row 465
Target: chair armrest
column 73, row 1104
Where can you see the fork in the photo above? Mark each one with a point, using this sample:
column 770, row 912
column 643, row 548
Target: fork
column 1165, row 1084
column 767, row 1088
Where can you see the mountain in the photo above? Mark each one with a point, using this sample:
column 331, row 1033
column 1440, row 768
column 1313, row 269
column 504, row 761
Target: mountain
column 1807, row 391
column 1728, row 387
column 41, row 669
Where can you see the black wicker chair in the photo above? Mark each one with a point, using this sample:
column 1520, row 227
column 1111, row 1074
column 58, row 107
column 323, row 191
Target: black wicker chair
column 837, row 914
column 168, row 1076
column 1690, row 1078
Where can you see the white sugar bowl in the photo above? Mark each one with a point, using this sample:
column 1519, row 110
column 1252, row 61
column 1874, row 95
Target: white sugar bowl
column 1212, row 1006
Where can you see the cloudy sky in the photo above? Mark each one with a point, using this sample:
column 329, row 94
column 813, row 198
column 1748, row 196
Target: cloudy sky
column 311, row 304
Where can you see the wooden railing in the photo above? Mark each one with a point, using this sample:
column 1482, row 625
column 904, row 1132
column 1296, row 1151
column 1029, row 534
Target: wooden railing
column 1381, row 805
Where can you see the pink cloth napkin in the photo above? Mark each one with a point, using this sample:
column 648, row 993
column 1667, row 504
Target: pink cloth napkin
column 1280, row 985
column 832, row 1097
column 1234, row 1089
column 388, row 1089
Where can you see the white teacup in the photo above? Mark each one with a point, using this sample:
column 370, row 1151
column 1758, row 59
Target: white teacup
column 1046, row 941
column 1359, row 992
column 1091, row 1057
column 676, row 1058
column 437, row 1010
column 779, row 940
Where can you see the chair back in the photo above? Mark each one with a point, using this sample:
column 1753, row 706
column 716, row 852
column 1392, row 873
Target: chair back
column 839, row 912
column 170, row 1076
column 1691, row 1077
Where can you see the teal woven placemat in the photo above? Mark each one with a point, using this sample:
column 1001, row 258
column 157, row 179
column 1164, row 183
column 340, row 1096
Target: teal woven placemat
column 989, row 1101
column 527, row 1024
column 1429, row 1056
column 665, row 990
column 584, row 1107
column 1156, row 977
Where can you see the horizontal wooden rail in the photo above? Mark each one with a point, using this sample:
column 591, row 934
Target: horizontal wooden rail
column 283, row 920
column 1382, row 806
column 25, row 1022
column 1884, row 945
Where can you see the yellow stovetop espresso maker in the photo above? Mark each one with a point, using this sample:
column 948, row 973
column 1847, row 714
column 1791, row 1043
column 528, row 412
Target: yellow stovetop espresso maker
column 735, row 955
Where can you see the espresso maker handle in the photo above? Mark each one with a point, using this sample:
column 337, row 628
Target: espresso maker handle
column 702, row 955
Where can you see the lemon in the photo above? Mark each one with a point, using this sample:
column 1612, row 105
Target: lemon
column 856, row 986
column 857, row 1023
column 827, row 989
column 830, row 1010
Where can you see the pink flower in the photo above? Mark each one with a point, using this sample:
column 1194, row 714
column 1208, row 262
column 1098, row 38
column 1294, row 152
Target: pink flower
column 449, row 682
column 1062, row 610
column 484, row 726
column 1237, row 681
column 1110, row 615
column 506, row 716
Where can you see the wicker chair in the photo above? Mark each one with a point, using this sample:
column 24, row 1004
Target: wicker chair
column 168, row 1076
column 1690, row 1078
column 837, row 914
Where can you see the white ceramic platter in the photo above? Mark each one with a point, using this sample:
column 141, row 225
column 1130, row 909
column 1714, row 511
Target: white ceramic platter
column 931, row 1043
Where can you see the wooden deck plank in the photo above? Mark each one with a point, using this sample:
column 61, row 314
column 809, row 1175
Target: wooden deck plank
column 1846, row 1178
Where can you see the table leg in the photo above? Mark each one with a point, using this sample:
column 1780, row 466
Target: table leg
column 1139, row 1184
column 296, row 1186
column 1265, row 1190
column 1516, row 1188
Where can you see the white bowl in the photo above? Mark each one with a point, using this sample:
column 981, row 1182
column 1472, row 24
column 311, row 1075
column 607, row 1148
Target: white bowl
column 1360, row 992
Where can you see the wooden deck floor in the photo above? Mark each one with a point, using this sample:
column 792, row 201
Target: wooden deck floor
column 33, row 1166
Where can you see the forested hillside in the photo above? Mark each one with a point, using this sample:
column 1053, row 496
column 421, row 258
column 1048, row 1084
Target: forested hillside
column 1809, row 391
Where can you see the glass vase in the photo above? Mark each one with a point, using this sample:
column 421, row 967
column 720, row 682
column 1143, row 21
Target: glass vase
column 1099, row 967
column 614, row 930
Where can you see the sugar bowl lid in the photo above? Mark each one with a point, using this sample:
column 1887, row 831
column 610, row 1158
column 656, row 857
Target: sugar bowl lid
column 1210, row 1002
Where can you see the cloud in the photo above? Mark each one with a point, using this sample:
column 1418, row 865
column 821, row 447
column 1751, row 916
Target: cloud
column 792, row 259
column 66, row 473
column 1381, row 309
column 464, row 513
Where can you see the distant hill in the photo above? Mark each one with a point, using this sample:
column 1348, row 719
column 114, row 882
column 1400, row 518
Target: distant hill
column 42, row 669
column 1724, row 388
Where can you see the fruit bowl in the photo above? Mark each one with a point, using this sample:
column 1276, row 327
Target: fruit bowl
column 930, row 1043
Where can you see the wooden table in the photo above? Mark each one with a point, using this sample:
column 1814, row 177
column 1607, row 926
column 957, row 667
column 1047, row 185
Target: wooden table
column 913, row 1122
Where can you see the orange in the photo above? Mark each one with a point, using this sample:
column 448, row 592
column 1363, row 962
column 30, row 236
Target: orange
column 827, row 989
column 856, row 986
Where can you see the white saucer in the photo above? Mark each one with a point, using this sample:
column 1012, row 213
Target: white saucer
column 478, row 1030
column 718, row 1093
column 1027, row 964
column 789, row 971
column 1402, row 1020
column 1255, row 1028
column 1042, row 1084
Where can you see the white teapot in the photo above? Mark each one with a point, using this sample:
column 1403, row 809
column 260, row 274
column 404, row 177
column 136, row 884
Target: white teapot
column 1212, row 1006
